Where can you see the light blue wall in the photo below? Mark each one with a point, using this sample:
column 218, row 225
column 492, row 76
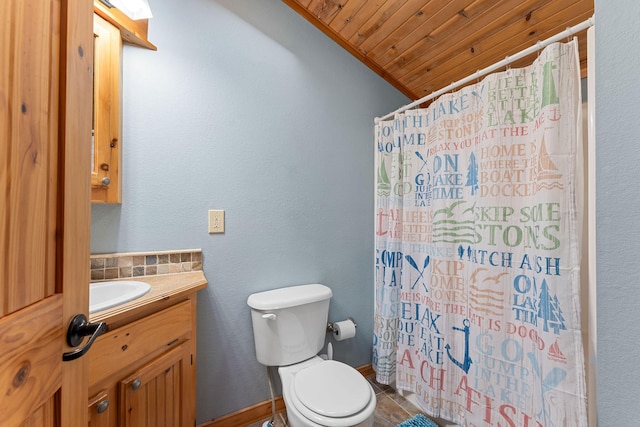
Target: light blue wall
column 618, row 204
column 248, row 108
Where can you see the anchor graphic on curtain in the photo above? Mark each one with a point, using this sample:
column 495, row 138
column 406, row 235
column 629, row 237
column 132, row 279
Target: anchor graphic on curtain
column 466, row 363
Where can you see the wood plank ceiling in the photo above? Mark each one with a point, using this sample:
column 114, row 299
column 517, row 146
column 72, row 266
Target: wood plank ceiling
column 420, row 46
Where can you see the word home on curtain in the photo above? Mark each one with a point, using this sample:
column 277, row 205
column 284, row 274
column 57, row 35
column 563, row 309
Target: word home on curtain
column 477, row 249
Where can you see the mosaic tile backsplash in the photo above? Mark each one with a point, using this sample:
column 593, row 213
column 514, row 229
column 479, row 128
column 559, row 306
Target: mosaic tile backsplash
column 136, row 264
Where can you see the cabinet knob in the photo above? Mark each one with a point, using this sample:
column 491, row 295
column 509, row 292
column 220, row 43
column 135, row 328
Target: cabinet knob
column 136, row 384
column 102, row 406
column 106, row 181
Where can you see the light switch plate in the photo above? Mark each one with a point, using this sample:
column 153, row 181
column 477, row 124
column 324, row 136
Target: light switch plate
column 216, row 221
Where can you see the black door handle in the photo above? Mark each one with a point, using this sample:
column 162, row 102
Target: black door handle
column 79, row 328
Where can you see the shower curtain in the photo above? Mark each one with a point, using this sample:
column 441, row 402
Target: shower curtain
column 477, row 249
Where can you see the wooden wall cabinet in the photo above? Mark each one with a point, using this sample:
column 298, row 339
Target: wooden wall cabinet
column 144, row 367
column 106, row 139
column 110, row 29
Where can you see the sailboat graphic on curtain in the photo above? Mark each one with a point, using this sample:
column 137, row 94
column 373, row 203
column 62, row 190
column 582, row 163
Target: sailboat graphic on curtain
column 477, row 263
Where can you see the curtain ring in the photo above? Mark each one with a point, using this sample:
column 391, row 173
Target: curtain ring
column 508, row 63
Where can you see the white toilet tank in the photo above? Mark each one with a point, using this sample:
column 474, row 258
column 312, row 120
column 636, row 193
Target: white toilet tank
column 289, row 324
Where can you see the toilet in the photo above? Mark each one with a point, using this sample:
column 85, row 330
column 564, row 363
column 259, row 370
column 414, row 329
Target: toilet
column 289, row 329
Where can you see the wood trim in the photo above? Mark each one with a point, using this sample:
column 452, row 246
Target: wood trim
column 74, row 206
column 293, row 4
column 243, row 417
column 261, row 411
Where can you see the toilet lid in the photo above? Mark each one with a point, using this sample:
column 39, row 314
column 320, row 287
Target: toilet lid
column 332, row 389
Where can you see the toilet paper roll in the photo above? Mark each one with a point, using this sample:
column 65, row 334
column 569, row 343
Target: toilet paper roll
column 344, row 330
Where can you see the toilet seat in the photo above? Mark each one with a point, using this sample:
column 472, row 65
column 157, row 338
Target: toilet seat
column 332, row 394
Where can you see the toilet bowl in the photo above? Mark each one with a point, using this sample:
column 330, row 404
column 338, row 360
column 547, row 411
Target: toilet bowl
column 326, row 393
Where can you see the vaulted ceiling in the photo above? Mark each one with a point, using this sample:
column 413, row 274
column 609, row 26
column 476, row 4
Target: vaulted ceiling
column 420, row 46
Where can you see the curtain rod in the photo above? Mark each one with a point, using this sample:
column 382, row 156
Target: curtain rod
column 538, row 46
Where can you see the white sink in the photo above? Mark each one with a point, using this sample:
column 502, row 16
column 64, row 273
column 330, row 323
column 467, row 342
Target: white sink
column 103, row 295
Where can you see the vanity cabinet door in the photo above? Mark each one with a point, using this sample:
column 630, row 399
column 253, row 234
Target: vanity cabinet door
column 153, row 396
column 102, row 409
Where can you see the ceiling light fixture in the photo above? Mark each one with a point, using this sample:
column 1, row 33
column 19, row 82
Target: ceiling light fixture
column 134, row 9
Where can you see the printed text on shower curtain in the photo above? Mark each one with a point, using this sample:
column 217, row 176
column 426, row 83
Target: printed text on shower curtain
column 477, row 240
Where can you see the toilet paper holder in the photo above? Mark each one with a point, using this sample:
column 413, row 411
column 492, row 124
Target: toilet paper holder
column 331, row 329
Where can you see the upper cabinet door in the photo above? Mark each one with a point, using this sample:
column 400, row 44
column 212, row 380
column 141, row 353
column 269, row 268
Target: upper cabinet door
column 45, row 122
column 106, row 140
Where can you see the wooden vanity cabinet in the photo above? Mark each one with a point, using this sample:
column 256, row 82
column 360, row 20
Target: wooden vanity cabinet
column 144, row 366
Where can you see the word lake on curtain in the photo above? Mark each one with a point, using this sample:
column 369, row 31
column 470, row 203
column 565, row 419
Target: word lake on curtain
column 477, row 249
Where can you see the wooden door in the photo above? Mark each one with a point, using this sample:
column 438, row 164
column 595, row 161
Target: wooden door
column 45, row 123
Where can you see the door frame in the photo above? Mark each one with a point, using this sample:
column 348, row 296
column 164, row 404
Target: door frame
column 74, row 189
